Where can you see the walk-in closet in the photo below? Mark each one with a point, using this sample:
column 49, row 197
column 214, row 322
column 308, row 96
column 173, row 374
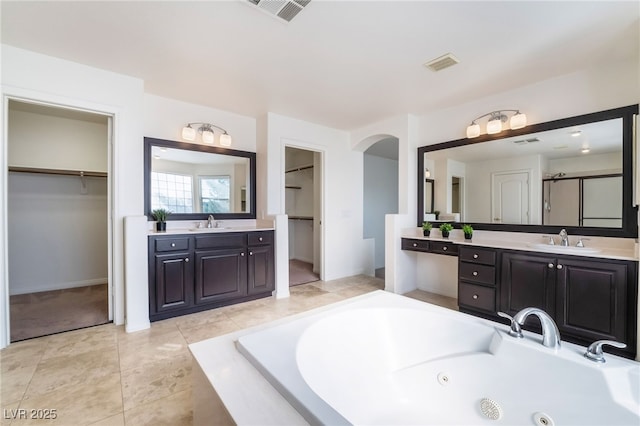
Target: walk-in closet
column 58, row 203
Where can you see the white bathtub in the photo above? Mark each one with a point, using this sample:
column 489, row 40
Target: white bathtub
column 386, row 359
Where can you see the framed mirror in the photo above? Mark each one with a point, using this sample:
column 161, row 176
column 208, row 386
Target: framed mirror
column 193, row 181
column 575, row 173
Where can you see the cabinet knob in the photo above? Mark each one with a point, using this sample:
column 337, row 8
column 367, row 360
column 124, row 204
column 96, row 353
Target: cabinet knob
column 173, row 244
column 415, row 245
column 559, row 266
column 475, row 256
column 186, row 259
column 444, row 248
column 242, row 254
column 250, row 253
column 550, row 265
column 475, row 273
column 475, row 296
column 260, row 239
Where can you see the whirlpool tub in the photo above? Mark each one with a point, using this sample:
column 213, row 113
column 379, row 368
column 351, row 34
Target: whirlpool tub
column 386, row 359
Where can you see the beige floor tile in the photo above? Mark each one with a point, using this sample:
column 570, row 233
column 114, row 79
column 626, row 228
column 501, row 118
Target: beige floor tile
column 150, row 348
column 205, row 331
column 15, row 381
column 200, row 318
column 155, row 381
column 157, row 328
column 69, row 371
column 28, row 352
column 174, row 410
column 80, row 341
column 117, row 420
column 81, row 404
column 435, row 299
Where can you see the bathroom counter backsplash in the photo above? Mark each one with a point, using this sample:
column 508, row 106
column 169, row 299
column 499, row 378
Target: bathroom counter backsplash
column 603, row 247
column 191, row 227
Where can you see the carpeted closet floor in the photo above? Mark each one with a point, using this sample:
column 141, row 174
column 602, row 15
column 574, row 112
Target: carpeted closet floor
column 48, row 312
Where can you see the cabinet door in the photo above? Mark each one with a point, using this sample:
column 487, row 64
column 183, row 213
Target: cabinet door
column 592, row 299
column 173, row 281
column 527, row 280
column 261, row 269
column 220, row 275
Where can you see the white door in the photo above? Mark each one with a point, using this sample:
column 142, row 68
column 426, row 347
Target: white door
column 510, row 197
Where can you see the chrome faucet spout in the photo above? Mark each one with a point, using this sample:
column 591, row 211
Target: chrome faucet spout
column 210, row 221
column 564, row 238
column 550, row 332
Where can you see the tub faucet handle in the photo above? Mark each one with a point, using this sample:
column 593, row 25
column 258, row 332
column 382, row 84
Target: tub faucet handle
column 594, row 351
column 515, row 330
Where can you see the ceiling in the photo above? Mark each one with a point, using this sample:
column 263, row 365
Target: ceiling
column 343, row 64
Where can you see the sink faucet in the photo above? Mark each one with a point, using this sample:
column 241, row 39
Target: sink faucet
column 210, row 221
column 564, row 238
column 550, row 332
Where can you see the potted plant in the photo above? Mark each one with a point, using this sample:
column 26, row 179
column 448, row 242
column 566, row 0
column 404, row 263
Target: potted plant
column 445, row 228
column 426, row 228
column 468, row 231
column 160, row 215
column 437, row 213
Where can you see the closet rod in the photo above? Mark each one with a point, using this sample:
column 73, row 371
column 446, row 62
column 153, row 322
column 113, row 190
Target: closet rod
column 297, row 169
column 56, row 171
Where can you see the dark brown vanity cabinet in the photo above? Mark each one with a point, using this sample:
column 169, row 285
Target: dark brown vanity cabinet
column 589, row 298
column 194, row 273
column 477, row 279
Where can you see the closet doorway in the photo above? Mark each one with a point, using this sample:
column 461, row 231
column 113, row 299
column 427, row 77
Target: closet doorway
column 303, row 205
column 58, row 222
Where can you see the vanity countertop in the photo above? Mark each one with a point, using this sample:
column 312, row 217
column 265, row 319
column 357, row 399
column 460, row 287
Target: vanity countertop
column 204, row 230
column 534, row 243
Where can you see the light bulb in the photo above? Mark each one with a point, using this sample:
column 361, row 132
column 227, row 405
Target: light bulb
column 518, row 121
column 225, row 139
column 473, row 131
column 207, row 136
column 188, row 133
column 494, row 126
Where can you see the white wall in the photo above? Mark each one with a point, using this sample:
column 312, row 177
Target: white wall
column 31, row 76
column 380, row 199
column 586, row 165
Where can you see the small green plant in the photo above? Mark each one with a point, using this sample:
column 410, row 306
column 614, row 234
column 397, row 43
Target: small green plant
column 437, row 213
column 446, row 227
column 160, row 214
column 467, row 229
column 426, row 226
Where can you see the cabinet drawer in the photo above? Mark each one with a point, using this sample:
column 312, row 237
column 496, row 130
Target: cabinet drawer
column 258, row 238
column 477, row 297
column 172, row 244
column 415, row 245
column 441, row 247
column 478, row 255
column 477, row 273
column 227, row 239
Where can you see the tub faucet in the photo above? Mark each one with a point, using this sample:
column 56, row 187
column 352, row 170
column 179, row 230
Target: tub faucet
column 550, row 332
column 564, row 238
column 210, row 221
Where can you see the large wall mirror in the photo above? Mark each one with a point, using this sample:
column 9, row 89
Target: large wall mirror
column 194, row 181
column 576, row 173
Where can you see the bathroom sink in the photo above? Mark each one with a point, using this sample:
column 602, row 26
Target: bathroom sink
column 205, row 230
column 564, row 249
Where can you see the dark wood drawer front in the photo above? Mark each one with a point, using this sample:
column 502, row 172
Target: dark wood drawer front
column 444, row 248
column 477, row 255
column 260, row 238
column 221, row 240
column 172, row 244
column 477, row 297
column 415, row 245
column 477, row 273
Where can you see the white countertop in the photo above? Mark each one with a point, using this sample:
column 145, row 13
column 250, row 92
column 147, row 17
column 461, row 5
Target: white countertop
column 607, row 248
column 205, row 231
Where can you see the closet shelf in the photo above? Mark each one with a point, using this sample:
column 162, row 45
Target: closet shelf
column 297, row 169
column 292, row 187
column 300, row 217
column 56, row 171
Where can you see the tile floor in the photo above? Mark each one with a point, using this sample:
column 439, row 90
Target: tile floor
column 105, row 376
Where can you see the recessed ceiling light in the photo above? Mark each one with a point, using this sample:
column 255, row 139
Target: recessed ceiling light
column 585, row 150
column 576, row 133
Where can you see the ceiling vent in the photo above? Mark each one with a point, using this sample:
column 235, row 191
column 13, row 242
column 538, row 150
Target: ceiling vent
column 444, row 61
column 526, row 141
column 283, row 9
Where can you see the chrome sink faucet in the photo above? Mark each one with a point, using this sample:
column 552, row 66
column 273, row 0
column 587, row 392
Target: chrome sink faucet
column 564, row 238
column 550, row 332
column 210, row 221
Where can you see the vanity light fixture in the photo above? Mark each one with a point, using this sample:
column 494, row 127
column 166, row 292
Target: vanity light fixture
column 189, row 133
column 517, row 121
